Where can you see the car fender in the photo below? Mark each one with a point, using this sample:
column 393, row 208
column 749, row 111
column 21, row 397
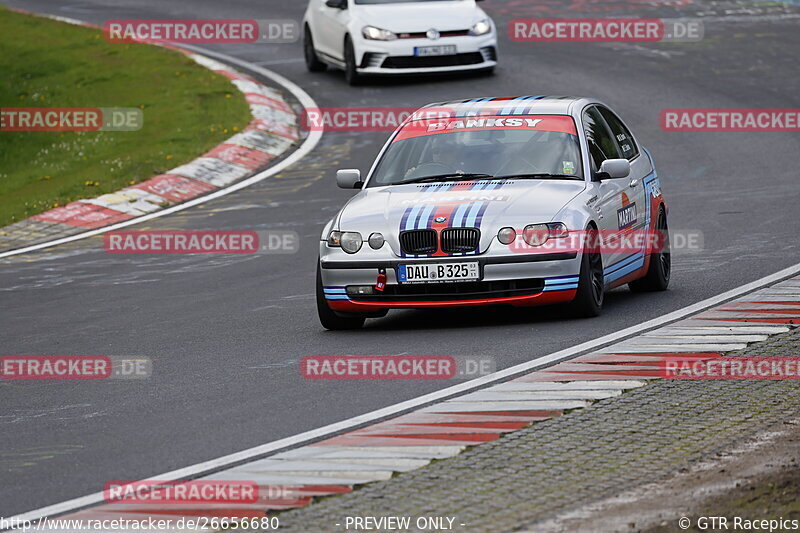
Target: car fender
column 578, row 213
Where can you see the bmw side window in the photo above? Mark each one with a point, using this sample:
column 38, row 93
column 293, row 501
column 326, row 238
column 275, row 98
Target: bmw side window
column 598, row 136
column 622, row 134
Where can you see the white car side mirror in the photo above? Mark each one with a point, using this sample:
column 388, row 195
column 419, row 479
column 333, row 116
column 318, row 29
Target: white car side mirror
column 615, row 168
column 349, row 178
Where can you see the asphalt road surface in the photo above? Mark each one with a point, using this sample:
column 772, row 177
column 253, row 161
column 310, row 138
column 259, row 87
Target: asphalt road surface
column 226, row 332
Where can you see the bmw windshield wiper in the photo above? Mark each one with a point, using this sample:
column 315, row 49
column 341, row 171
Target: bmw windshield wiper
column 538, row 175
column 448, row 176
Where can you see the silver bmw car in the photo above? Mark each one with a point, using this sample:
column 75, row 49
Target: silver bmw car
column 522, row 201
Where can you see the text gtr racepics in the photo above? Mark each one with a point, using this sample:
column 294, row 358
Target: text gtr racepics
column 523, row 201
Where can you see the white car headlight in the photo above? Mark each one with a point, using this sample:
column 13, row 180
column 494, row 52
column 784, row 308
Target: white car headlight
column 377, row 34
column 376, row 241
column 558, row 230
column 482, row 27
column 351, row 241
column 536, row 234
column 334, row 238
column 507, row 235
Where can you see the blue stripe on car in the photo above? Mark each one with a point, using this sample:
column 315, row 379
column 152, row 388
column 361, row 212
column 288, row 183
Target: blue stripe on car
column 560, row 283
column 510, row 105
column 457, row 220
column 623, row 263
column 335, row 293
column 622, row 268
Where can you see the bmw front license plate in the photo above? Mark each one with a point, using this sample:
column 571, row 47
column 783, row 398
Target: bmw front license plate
column 441, row 50
column 438, row 272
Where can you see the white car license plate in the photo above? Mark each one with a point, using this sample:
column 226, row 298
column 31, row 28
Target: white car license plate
column 437, row 272
column 441, row 50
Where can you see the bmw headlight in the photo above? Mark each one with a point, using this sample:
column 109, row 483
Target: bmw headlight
column 536, row 234
column 351, row 241
column 334, row 238
column 557, row 230
column 376, row 241
column 507, row 235
column 376, row 34
column 482, row 27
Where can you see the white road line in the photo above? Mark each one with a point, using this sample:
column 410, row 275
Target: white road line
column 194, row 471
column 309, row 144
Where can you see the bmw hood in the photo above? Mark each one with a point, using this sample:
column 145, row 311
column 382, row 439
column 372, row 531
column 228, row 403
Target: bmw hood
column 487, row 205
column 422, row 16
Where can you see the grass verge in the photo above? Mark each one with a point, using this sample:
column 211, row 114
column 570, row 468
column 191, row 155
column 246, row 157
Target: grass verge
column 187, row 110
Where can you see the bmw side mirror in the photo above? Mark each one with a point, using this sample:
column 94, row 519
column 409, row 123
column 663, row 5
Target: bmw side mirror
column 338, row 4
column 349, row 178
column 614, row 168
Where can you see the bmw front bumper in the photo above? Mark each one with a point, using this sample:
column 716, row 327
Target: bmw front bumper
column 519, row 279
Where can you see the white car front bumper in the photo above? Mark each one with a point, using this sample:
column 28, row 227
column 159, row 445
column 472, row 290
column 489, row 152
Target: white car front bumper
column 398, row 56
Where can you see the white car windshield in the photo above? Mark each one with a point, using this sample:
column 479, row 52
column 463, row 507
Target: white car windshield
column 543, row 146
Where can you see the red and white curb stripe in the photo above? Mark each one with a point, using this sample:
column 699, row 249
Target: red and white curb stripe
column 229, row 162
column 444, row 429
column 271, row 133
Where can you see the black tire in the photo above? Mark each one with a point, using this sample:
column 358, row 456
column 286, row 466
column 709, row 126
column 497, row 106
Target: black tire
column 588, row 301
column 660, row 267
column 328, row 318
column 313, row 64
column 351, row 75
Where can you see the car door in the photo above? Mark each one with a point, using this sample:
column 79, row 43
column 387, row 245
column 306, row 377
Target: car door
column 640, row 169
column 330, row 28
column 613, row 204
column 640, row 165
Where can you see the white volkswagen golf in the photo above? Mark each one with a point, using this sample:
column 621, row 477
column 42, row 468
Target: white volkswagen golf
column 377, row 37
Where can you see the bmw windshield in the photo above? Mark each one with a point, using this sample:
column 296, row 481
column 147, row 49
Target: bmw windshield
column 534, row 146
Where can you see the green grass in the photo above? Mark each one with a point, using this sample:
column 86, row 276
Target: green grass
column 187, row 110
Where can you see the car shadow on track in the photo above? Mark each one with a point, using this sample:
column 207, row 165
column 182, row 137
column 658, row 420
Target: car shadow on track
column 490, row 316
column 336, row 77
